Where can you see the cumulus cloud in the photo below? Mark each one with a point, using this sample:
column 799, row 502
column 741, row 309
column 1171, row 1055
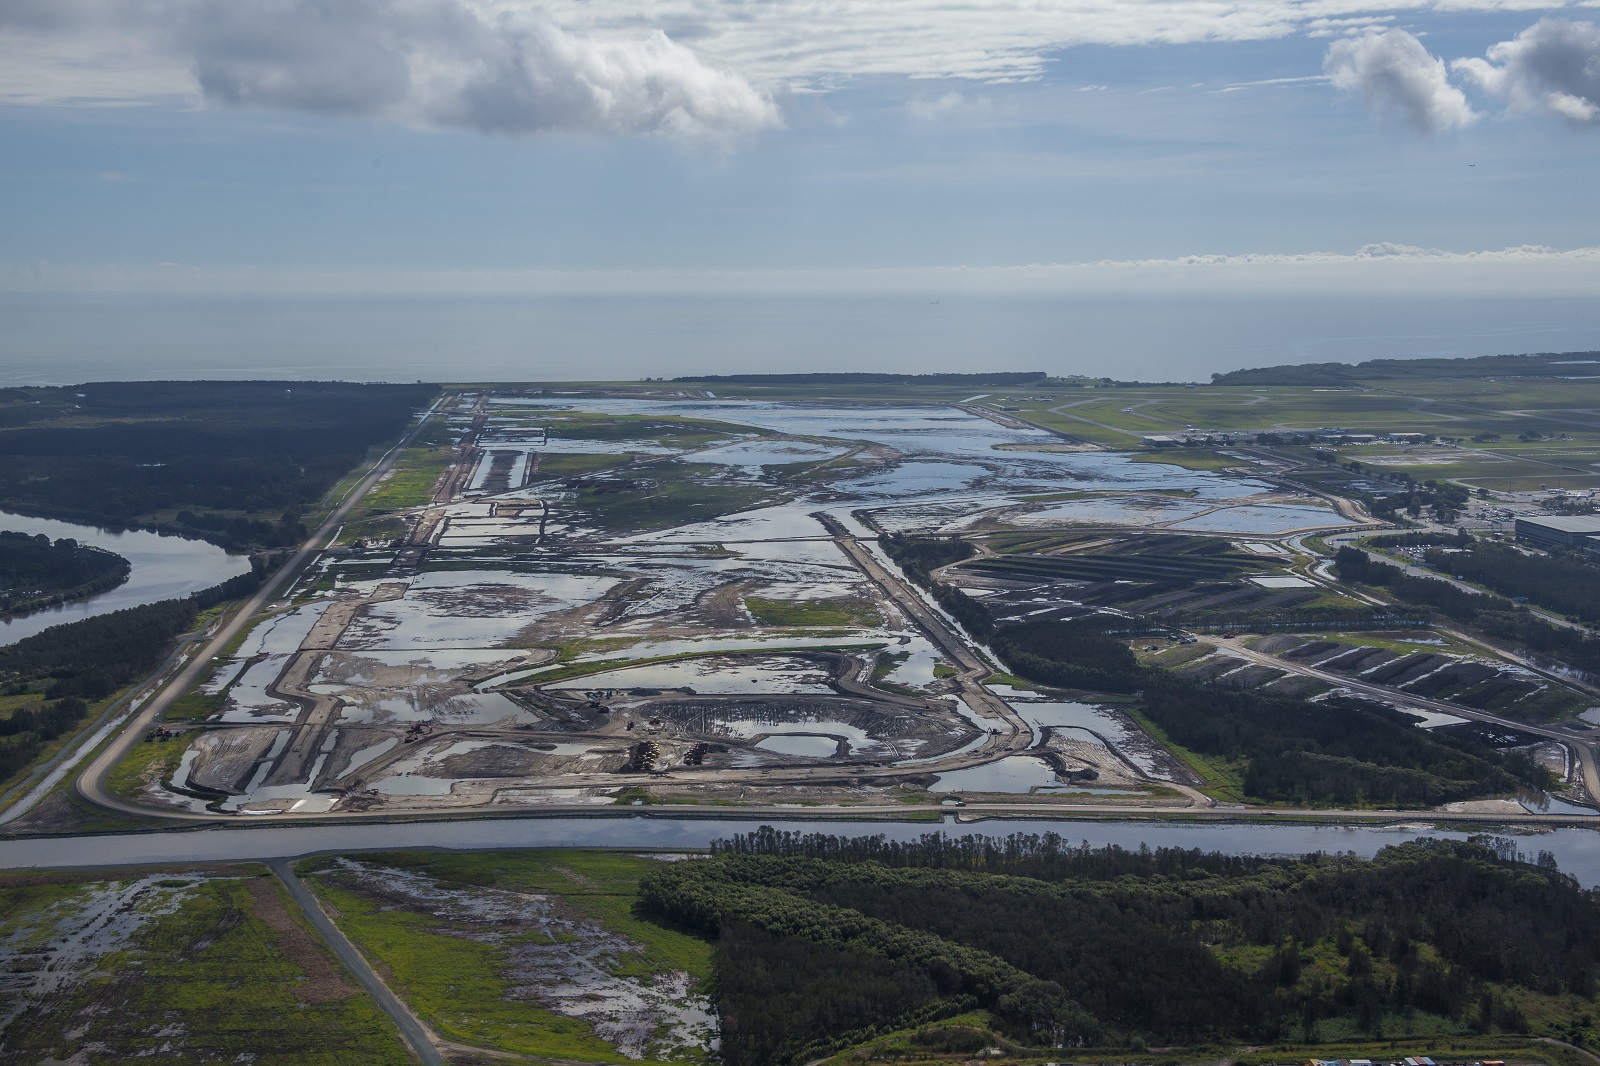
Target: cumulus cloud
column 1553, row 65
column 797, row 45
column 437, row 62
column 1396, row 75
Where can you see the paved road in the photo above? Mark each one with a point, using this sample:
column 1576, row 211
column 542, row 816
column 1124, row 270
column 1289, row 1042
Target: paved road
column 91, row 782
column 410, row 1028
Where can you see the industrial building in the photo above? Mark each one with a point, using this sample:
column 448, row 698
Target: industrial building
column 1561, row 531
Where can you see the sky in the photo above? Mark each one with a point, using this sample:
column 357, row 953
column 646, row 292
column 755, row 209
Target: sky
column 1059, row 147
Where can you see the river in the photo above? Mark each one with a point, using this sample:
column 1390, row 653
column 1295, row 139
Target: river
column 163, row 568
column 1576, row 850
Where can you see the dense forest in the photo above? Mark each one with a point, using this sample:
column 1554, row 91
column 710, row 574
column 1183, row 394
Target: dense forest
column 823, row 942
column 1493, row 615
column 89, row 660
column 233, row 462
column 36, row 572
column 1343, row 751
column 1571, row 586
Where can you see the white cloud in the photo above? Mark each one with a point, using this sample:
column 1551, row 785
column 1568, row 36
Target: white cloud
column 436, row 62
column 1553, row 65
column 1396, row 75
column 600, row 61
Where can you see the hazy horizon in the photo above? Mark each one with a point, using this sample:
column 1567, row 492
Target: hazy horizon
column 71, row 339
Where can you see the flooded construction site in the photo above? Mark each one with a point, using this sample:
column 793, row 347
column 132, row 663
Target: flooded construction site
column 612, row 601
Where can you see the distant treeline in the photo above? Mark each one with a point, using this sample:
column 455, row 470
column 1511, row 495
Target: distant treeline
column 1494, row 615
column 233, row 462
column 824, row 942
column 1347, row 752
column 997, row 380
column 1549, row 364
column 36, row 573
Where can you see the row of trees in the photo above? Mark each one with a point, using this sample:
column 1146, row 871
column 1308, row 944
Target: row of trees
column 96, row 656
column 89, row 660
column 822, row 939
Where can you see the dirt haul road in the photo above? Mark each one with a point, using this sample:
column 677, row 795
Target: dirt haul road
column 91, row 782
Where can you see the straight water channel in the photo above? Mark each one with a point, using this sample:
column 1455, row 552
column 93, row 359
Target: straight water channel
column 1576, row 850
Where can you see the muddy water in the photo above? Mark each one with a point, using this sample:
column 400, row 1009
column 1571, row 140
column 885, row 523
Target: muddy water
column 1577, row 850
column 163, row 568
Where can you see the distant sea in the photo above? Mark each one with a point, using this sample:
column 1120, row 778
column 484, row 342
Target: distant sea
column 70, row 339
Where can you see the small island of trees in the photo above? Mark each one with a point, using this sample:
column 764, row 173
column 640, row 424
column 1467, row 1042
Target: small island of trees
column 36, row 572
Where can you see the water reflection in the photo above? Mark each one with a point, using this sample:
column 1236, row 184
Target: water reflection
column 164, row 568
column 1576, row 850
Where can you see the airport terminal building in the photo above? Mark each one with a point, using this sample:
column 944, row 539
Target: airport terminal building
column 1561, row 531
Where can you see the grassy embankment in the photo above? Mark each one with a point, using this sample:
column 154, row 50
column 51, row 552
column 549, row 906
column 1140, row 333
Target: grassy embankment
column 153, row 760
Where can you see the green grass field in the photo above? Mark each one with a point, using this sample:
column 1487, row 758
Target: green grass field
column 669, row 498
column 827, row 613
column 151, row 760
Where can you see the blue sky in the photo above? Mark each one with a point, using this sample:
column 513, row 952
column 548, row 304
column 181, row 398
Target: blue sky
column 495, row 145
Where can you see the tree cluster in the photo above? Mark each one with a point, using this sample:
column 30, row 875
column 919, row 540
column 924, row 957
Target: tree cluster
column 1561, row 583
column 824, row 941
column 24, row 734
column 1495, row 616
column 36, row 572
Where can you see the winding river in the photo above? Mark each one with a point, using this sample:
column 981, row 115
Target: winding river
column 163, row 568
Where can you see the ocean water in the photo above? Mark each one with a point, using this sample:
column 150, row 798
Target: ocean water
column 56, row 339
